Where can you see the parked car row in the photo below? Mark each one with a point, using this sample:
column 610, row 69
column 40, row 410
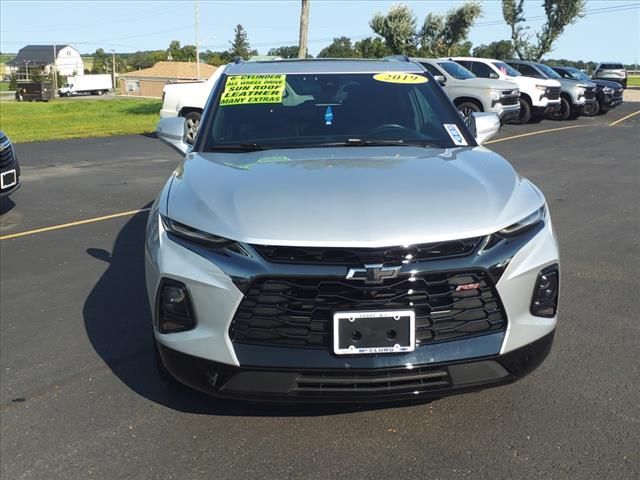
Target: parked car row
column 517, row 91
column 558, row 93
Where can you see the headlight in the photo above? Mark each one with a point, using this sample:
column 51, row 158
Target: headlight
column 581, row 89
column 607, row 90
column 494, row 94
column 541, row 87
column 524, row 224
column 207, row 239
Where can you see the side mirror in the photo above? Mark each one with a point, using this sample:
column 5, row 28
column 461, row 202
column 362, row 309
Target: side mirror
column 440, row 79
column 484, row 125
column 174, row 132
column 493, row 75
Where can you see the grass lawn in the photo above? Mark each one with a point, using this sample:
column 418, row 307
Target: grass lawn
column 633, row 81
column 4, row 86
column 61, row 119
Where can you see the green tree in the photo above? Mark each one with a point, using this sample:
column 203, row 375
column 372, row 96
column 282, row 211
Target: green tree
column 445, row 35
column 340, row 48
column 513, row 14
column 502, row 50
column 174, row 52
column 559, row 13
column 216, row 58
column 285, row 52
column 371, row 47
column 240, row 46
column 439, row 35
column 398, row 28
column 99, row 62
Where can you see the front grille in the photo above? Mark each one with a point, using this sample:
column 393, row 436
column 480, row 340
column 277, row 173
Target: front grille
column 376, row 382
column 298, row 311
column 617, row 92
column 590, row 93
column 361, row 256
column 509, row 100
column 552, row 93
column 7, row 158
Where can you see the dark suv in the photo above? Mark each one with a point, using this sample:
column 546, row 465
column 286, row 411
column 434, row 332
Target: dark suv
column 9, row 168
column 608, row 94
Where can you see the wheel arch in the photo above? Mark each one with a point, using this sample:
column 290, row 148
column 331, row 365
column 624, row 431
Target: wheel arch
column 464, row 99
column 184, row 111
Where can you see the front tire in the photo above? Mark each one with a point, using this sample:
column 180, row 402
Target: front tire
column 467, row 108
column 565, row 110
column 593, row 109
column 193, row 123
column 525, row 113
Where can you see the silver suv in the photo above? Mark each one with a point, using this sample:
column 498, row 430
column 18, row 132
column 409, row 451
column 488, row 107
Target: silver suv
column 611, row 71
column 337, row 233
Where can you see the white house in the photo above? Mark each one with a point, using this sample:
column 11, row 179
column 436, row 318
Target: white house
column 41, row 58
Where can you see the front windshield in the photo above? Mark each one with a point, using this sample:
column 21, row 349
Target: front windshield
column 548, row 71
column 507, row 69
column 456, row 70
column 312, row 110
column 577, row 74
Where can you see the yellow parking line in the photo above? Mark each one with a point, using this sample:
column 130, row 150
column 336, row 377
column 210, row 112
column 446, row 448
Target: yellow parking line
column 613, row 124
column 73, row 224
column 539, row 132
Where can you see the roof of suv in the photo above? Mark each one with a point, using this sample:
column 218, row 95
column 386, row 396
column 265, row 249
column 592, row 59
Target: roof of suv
column 329, row 65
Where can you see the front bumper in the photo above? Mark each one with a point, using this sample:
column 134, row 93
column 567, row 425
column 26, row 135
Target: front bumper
column 213, row 284
column 609, row 101
column 411, row 382
column 549, row 108
column 506, row 112
column 8, row 191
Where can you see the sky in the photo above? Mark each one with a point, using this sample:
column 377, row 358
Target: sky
column 609, row 31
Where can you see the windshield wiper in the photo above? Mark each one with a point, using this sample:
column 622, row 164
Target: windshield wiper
column 240, row 147
column 360, row 142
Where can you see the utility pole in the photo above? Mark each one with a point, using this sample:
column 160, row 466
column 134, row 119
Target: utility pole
column 197, row 39
column 113, row 70
column 304, row 28
column 54, row 72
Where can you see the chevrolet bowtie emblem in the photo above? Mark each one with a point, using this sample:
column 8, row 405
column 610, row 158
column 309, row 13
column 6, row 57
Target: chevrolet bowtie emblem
column 373, row 273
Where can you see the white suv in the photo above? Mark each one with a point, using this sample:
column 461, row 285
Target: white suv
column 537, row 96
column 471, row 94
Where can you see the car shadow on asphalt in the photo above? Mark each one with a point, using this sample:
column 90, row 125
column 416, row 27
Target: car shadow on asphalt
column 6, row 205
column 117, row 320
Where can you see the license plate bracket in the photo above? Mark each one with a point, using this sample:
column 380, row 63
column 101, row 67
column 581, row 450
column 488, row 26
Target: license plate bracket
column 8, row 179
column 357, row 333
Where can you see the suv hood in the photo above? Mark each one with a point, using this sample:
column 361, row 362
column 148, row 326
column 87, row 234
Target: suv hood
column 349, row 196
column 485, row 83
column 572, row 82
column 530, row 82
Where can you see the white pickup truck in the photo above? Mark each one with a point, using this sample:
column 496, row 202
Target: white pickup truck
column 471, row 94
column 538, row 96
column 187, row 100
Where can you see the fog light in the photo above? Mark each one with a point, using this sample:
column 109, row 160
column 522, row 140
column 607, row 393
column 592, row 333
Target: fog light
column 545, row 293
column 175, row 313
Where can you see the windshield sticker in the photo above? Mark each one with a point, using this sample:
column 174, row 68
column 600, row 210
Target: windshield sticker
column 253, row 89
column 328, row 116
column 399, row 77
column 454, row 133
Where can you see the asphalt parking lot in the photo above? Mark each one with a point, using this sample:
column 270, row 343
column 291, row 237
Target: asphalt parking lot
column 80, row 397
